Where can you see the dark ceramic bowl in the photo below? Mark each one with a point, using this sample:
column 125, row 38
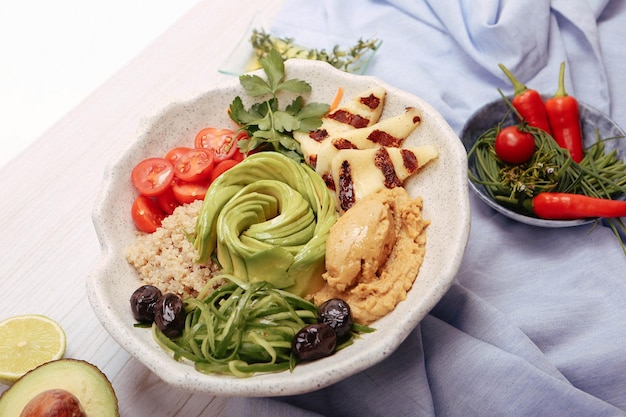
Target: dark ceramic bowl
column 494, row 112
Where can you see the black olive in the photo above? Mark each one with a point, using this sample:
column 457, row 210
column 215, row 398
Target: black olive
column 314, row 341
column 169, row 315
column 336, row 313
column 142, row 303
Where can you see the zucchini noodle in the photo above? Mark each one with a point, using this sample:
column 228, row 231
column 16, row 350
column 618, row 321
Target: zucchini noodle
column 240, row 328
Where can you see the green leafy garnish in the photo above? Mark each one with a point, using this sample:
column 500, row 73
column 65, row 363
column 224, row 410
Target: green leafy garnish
column 350, row 59
column 551, row 169
column 268, row 126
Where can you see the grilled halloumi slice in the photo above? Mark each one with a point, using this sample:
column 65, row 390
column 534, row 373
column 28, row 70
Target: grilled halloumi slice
column 362, row 111
column 360, row 172
column 390, row 132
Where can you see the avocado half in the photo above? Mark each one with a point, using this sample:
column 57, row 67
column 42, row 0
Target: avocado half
column 77, row 377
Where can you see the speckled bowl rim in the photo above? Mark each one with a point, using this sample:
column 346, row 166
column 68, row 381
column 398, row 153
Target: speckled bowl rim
column 495, row 111
column 442, row 184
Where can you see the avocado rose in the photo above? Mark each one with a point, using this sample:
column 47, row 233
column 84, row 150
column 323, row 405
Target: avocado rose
column 267, row 219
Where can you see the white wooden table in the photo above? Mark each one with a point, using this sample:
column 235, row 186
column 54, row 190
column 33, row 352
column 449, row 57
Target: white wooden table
column 48, row 245
column 54, row 54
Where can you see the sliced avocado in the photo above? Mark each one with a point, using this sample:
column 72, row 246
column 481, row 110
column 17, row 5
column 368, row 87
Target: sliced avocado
column 270, row 265
column 81, row 379
column 307, row 277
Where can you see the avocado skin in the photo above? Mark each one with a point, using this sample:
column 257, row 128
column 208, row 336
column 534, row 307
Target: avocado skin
column 82, row 379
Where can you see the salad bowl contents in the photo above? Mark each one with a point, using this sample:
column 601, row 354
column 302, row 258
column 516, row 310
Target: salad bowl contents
column 255, row 244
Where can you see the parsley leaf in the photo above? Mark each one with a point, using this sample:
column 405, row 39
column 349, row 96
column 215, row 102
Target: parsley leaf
column 268, row 127
column 255, row 85
column 297, row 86
column 274, row 68
column 285, row 122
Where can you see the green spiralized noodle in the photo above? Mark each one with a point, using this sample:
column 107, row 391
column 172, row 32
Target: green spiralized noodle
column 240, row 328
column 267, row 219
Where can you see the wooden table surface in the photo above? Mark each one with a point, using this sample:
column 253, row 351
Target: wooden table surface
column 48, row 243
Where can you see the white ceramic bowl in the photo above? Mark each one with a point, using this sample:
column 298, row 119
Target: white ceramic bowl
column 443, row 186
column 497, row 111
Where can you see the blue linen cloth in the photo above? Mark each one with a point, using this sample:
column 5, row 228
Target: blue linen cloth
column 535, row 323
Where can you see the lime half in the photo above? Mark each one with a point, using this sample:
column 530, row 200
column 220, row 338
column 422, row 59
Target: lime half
column 26, row 342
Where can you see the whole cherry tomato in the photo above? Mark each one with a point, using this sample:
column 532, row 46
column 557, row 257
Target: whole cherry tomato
column 514, row 146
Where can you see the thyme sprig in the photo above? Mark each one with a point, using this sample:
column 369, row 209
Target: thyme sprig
column 349, row 59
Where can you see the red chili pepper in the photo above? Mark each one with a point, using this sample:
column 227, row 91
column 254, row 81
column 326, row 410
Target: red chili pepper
column 528, row 103
column 564, row 118
column 567, row 206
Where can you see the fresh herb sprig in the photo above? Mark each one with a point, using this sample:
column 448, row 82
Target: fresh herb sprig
column 266, row 124
column 349, row 59
column 601, row 174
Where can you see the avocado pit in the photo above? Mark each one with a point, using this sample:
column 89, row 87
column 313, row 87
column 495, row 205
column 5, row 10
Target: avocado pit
column 54, row 403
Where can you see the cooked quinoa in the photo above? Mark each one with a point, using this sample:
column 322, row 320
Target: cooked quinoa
column 165, row 258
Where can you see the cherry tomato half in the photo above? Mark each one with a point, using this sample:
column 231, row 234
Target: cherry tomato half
column 187, row 192
column 167, row 201
column 175, row 153
column 514, row 147
column 223, row 142
column 152, row 176
column 239, row 155
column 194, row 165
column 146, row 214
column 222, row 167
